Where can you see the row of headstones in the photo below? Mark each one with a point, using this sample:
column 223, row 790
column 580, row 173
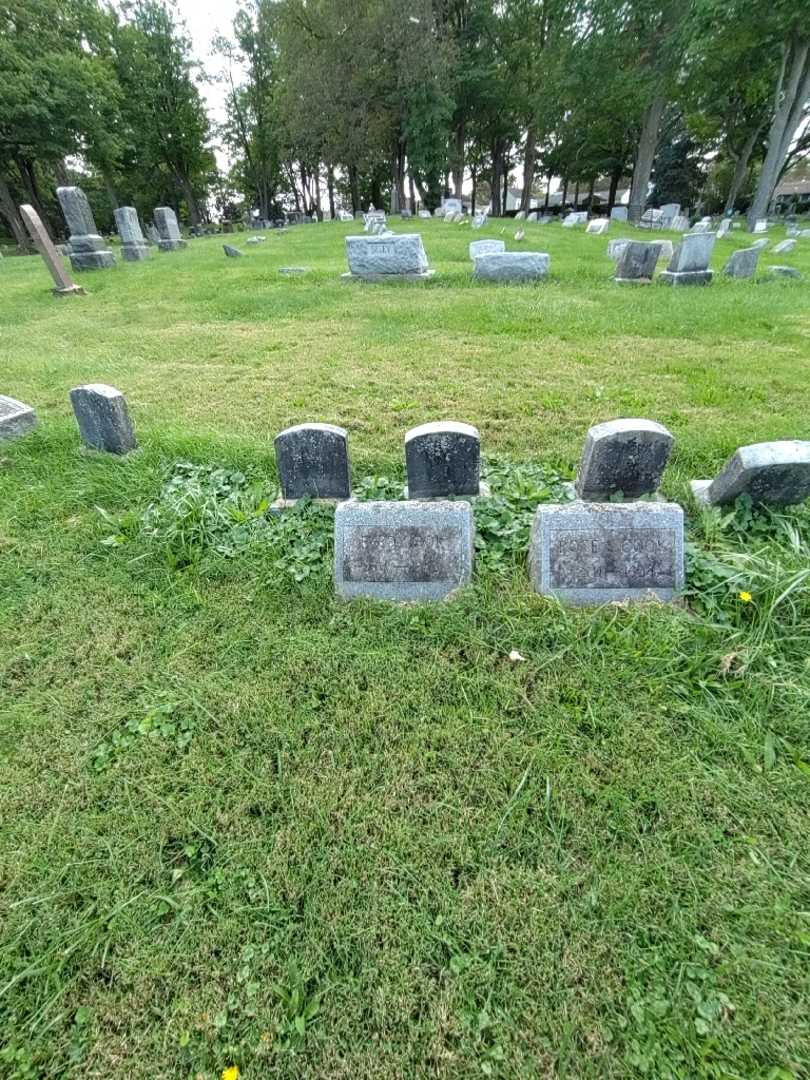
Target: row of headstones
column 615, row 539
column 688, row 262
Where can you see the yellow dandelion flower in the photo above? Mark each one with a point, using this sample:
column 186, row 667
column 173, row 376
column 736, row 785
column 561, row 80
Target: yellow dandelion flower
column 746, row 597
column 231, row 1073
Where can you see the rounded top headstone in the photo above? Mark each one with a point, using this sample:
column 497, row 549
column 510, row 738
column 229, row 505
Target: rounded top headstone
column 624, row 457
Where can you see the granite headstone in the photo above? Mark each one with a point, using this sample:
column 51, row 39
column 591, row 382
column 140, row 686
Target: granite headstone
column 16, row 419
column 777, row 473
column 443, row 460
column 313, row 462
column 623, row 458
column 88, row 250
column 103, row 418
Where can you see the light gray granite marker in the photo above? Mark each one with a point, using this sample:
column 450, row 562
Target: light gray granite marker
column 619, row 213
column 88, row 250
column 377, row 258
column 486, row 247
column 598, row 226
column 637, row 261
column 64, row 285
column 742, row 263
column 594, row 553
column 103, row 418
column 168, row 231
column 623, row 457
column 16, row 419
column 443, row 459
column 771, row 472
column 313, row 462
column 133, row 244
column 405, row 551
column 689, row 264
column 511, row 266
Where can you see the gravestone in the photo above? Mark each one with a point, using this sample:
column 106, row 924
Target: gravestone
column 623, row 458
column 669, row 211
column 652, row 219
column 690, row 263
column 595, row 553
column 479, row 221
column 575, row 218
column 619, row 213
column 379, row 258
column 784, row 247
column 598, row 226
column 313, row 462
column 88, row 250
column 679, row 223
column 637, row 262
column 64, row 285
column 615, row 248
column 452, row 206
column 761, row 226
column 742, row 263
column 168, row 231
column 533, row 216
column 294, row 269
column 103, row 418
column 403, row 551
column 723, row 228
column 133, row 244
column 424, row 214
column 16, row 419
column 776, row 473
column 785, row 271
column 345, row 215
column 232, row 252
column 701, row 227
column 152, row 235
column 511, row 266
column 520, row 235
column 520, row 215
column 405, row 214
column 484, row 247
column 443, row 460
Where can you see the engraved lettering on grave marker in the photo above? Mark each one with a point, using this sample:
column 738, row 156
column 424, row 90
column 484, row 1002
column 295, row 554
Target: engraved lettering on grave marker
column 377, row 553
column 613, row 558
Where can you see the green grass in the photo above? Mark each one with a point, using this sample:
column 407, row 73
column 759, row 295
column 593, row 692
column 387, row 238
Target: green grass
column 245, row 824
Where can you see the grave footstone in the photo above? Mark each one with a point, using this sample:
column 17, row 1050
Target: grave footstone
column 88, row 250
column 784, row 247
column 595, row 553
column 133, row 244
column 16, row 418
column 775, row 473
column 511, row 266
column 623, row 458
column 313, row 462
column 484, row 247
column 168, row 231
column 64, row 285
column 742, row 263
column 785, row 271
column 103, row 418
column 424, row 214
column 637, row 262
column 598, row 226
column 520, row 215
column 403, row 551
column 690, row 263
column 232, row 252
column 443, row 460
column 576, row 217
column 379, row 258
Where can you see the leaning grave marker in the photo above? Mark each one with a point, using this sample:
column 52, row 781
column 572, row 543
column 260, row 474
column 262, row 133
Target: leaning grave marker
column 103, row 417
column 64, row 285
column 16, row 418
column 775, row 473
column 88, row 250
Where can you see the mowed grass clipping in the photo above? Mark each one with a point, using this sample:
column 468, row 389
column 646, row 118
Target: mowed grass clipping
column 246, row 825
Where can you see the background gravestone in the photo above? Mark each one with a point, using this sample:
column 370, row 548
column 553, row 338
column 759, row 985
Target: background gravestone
column 742, row 263
column 637, row 261
column 232, row 252
column 168, row 231
column 103, row 418
column 16, row 419
column 443, row 459
column 594, row 553
column 375, row 258
column 690, row 263
column 623, row 457
column 313, row 462
column 403, row 551
column 784, row 246
column 133, row 245
column 776, row 473
column 485, row 247
column 64, row 285
column 88, row 250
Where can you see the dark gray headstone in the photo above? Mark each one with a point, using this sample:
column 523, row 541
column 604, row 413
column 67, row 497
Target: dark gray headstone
column 16, row 419
column 637, row 261
column 232, row 252
column 133, row 244
column 592, row 553
column 623, row 457
column 313, row 462
column 689, row 264
column 169, row 237
column 777, row 473
column 88, row 250
column 742, row 263
column 103, row 418
column 405, row 551
column 443, row 459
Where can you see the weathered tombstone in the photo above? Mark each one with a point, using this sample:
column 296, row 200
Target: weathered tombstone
column 679, row 224
column 16, row 419
column 232, row 252
column 403, row 551
column 484, row 247
column 520, row 215
column 598, row 226
column 534, row 215
column 152, row 235
column 760, row 245
column 479, row 221
column 623, row 458
column 379, row 258
column 742, row 263
column 595, row 553
column 452, row 206
column 405, row 214
column 294, row 269
column 652, row 219
column 313, row 462
column 133, row 245
column 690, row 263
column 576, row 217
column 511, row 266
column 169, row 238
column 785, row 271
column 424, row 214
column 784, row 247
column 723, row 228
column 776, row 473
column 88, row 250
column 64, row 285
column 637, row 262
column 669, row 211
column 761, row 226
column 619, row 213
column 443, row 460
column 702, row 226
column 520, row 235
column 103, row 418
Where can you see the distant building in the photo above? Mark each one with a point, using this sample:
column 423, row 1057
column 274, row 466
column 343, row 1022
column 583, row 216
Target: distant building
column 792, row 196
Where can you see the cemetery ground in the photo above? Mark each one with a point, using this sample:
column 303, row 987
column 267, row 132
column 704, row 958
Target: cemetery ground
column 245, row 824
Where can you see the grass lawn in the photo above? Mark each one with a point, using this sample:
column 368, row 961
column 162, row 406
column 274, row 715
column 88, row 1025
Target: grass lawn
column 245, row 824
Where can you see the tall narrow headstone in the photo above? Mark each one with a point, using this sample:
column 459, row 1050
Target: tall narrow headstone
column 623, row 458
column 88, row 250
column 443, row 460
column 133, row 244
column 64, row 285
column 103, row 418
column 313, row 462
column 169, row 238
column 16, row 419
column 776, row 473
column 690, row 263
column 637, row 262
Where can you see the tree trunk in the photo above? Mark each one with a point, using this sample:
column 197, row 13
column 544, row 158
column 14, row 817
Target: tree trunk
column 330, row 190
column 354, row 188
column 191, row 201
column 576, row 196
column 740, row 170
column 564, row 194
column 397, row 194
column 29, row 182
column 548, row 190
column 792, row 92
column 317, row 179
column 590, row 194
column 645, row 156
column 8, row 208
column 474, row 178
column 505, row 188
column 61, row 174
column 458, row 160
column 110, row 189
column 529, row 159
column 412, row 194
column 615, row 177
column 497, row 170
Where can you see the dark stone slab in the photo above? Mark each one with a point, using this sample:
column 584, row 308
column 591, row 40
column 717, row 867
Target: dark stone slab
column 232, row 252
column 133, row 243
column 169, row 236
column 443, row 459
column 775, row 473
column 637, row 261
column 103, row 418
column 88, row 250
column 742, row 263
column 313, row 462
column 623, row 457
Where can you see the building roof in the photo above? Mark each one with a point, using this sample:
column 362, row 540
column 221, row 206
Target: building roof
column 793, row 187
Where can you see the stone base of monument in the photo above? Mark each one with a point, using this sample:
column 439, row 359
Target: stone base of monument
column 484, row 492
column 570, row 489
column 421, row 275
column 91, row 260
column 16, row 418
column 596, row 553
column 172, row 245
column 411, row 552
column 686, row 277
column 135, row 252
column 700, row 491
